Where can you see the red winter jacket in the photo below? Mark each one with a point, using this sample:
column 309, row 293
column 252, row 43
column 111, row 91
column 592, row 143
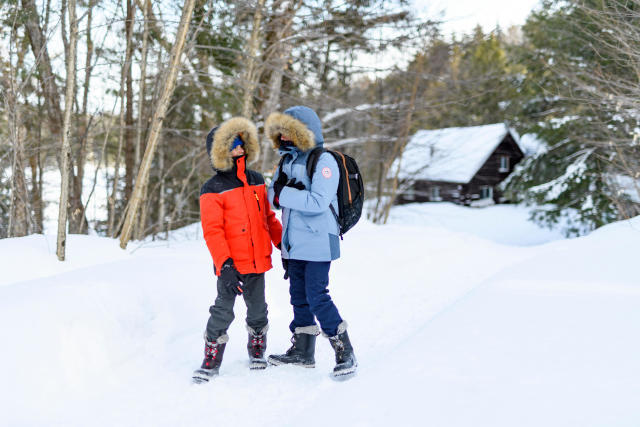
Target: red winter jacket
column 237, row 219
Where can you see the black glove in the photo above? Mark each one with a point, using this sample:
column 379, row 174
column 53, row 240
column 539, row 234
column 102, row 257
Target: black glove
column 285, row 265
column 295, row 184
column 278, row 185
column 230, row 278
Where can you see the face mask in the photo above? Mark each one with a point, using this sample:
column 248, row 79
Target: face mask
column 286, row 144
column 236, row 143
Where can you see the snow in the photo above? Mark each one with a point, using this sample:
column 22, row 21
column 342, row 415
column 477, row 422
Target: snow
column 451, row 154
column 626, row 185
column 340, row 112
column 97, row 207
column 505, row 224
column 532, row 144
column 458, row 317
column 574, row 172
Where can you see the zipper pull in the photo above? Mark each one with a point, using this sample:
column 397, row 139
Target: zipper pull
column 257, row 201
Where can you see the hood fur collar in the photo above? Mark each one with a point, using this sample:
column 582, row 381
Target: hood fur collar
column 223, row 139
column 283, row 124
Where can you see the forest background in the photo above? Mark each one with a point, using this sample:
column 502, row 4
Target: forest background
column 126, row 91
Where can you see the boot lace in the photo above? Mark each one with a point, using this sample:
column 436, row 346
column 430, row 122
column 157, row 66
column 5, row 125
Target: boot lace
column 293, row 346
column 338, row 346
column 257, row 344
column 210, row 352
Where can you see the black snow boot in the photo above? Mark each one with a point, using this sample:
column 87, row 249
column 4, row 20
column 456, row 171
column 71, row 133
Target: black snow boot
column 346, row 363
column 302, row 351
column 256, row 346
column 213, row 351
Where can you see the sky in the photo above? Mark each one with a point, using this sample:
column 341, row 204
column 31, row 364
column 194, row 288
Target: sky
column 459, row 17
column 462, row 16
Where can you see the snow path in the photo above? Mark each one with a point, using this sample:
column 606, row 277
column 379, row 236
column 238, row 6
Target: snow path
column 449, row 328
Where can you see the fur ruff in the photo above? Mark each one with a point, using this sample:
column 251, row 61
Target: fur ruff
column 223, row 139
column 253, row 331
column 342, row 327
column 220, row 340
column 309, row 330
column 283, row 124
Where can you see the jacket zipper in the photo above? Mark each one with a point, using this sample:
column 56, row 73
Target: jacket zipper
column 257, row 201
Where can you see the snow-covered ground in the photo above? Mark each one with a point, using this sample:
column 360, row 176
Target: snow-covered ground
column 507, row 224
column 459, row 317
column 96, row 208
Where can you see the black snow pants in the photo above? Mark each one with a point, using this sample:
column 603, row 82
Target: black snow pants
column 222, row 310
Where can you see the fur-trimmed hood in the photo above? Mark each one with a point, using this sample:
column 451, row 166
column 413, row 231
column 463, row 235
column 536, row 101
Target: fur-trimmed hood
column 220, row 140
column 300, row 124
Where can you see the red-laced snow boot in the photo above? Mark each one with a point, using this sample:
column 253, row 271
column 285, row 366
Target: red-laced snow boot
column 213, row 351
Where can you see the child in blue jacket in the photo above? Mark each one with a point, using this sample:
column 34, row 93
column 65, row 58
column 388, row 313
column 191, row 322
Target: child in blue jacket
column 309, row 237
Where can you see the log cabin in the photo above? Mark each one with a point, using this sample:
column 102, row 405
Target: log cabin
column 462, row 165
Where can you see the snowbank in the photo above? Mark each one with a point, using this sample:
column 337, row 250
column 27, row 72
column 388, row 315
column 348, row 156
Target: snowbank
column 451, row 327
column 506, row 224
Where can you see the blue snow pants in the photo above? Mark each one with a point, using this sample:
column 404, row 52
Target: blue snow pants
column 308, row 287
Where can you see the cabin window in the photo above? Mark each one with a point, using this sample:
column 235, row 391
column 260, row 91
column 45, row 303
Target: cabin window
column 504, row 164
column 410, row 194
column 435, row 194
column 486, row 192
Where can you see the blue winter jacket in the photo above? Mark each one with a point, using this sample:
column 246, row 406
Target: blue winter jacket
column 310, row 230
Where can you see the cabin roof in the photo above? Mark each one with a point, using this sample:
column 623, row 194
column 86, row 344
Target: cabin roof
column 451, row 154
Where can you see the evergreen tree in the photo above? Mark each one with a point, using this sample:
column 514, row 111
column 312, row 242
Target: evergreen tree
column 574, row 178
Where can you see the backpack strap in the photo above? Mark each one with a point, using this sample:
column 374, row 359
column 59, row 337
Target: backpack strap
column 312, row 161
column 280, row 163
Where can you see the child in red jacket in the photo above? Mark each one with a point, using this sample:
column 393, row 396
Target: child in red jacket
column 239, row 228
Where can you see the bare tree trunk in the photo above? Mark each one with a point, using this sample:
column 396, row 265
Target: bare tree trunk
column 155, row 31
column 142, row 220
column 179, row 198
column 402, row 141
column 66, row 132
column 281, row 54
column 140, row 226
column 143, row 81
column 116, row 172
column 35, row 162
column 37, row 199
column 63, row 27
column 252, row 72
column 161, row 196
column 43, row 63
column 77, row 218
column 157, row 121
column 19, row 211
column 124, row 75
column 107, row 131
column 324, row 77
column 36, row 191
column 88, row 140
column 129, row 150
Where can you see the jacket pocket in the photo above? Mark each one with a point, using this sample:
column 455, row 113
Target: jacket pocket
column 303, row 222
column 334, row 246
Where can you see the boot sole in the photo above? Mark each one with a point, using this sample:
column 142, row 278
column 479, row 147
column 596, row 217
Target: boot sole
column 344, row 374
column 274, row 362
column 202, row 376
column 255, row 366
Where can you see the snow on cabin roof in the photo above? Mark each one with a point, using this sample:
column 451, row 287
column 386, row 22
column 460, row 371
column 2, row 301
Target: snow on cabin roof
column 451, row 154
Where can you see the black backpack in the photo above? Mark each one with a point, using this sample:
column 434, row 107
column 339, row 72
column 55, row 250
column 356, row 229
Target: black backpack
column 350, row 187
